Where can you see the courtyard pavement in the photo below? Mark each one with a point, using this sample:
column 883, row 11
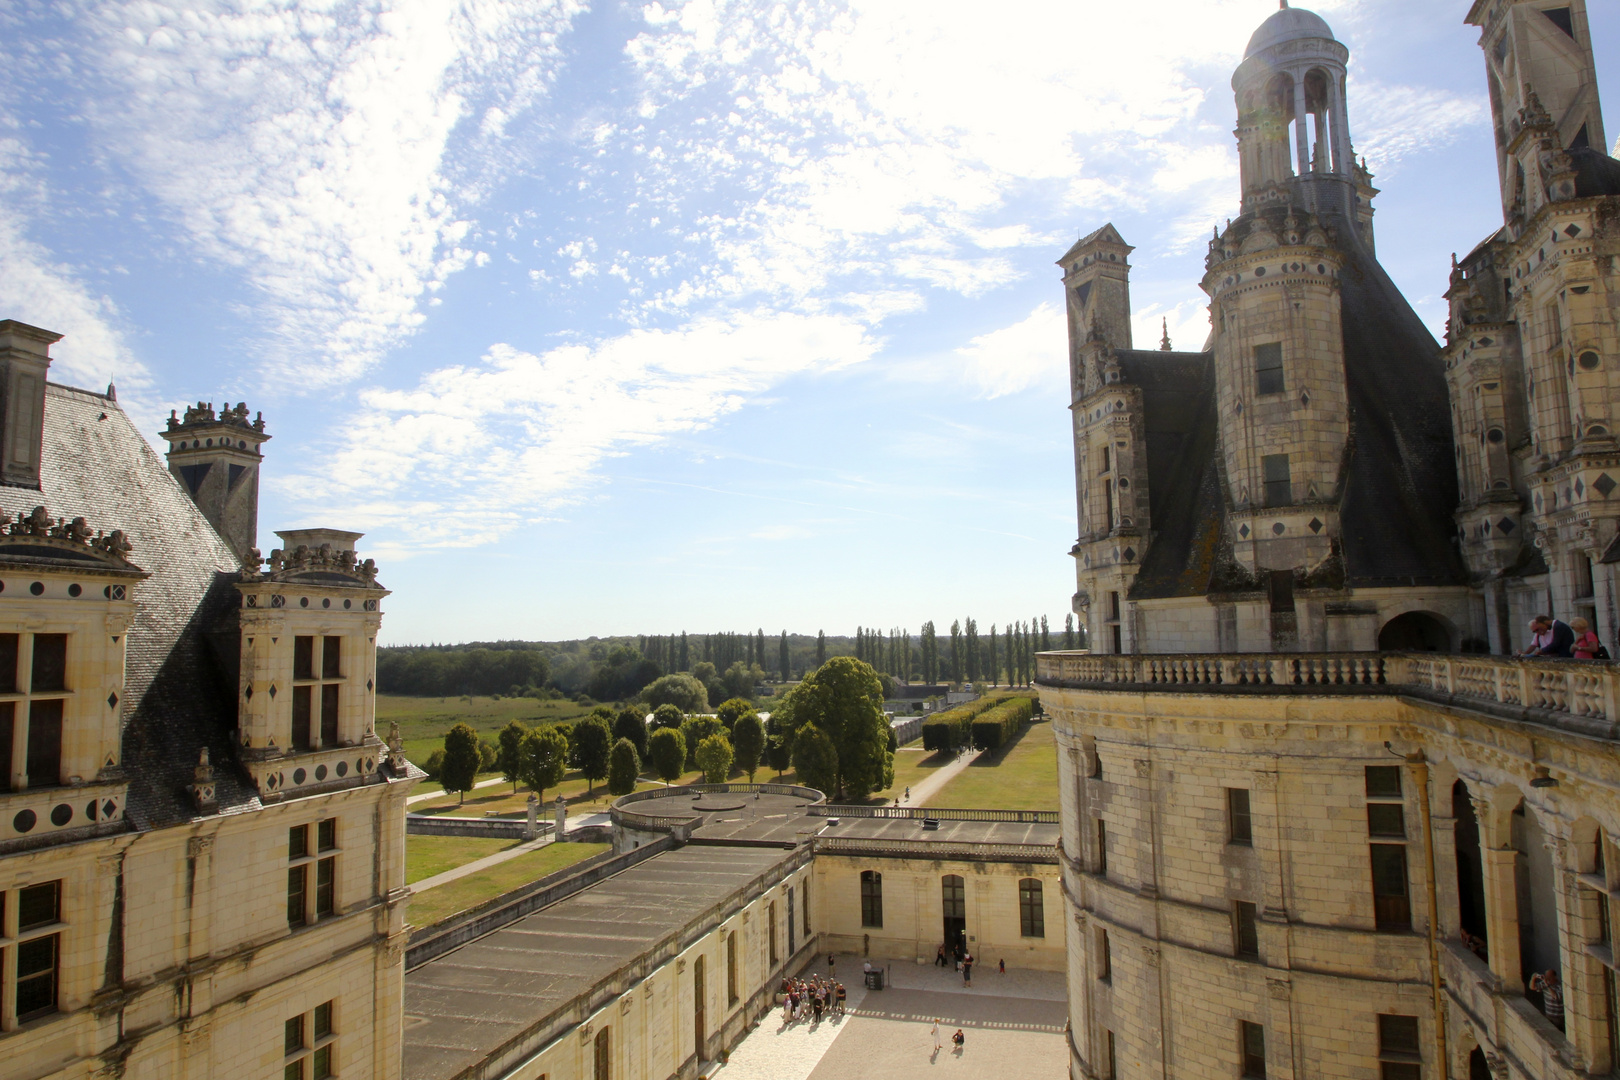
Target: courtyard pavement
column 1013, row 1024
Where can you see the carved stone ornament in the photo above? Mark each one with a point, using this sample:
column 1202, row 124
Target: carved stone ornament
column 322, row 565
column 38, row 535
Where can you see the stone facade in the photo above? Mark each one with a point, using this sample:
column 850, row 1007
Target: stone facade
column 201, row 835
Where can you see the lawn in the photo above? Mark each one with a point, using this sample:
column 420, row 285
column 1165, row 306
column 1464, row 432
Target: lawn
column 912, row 765
column 1020, row 776
column 429, row 855
column 502, row 800
column 429, row 907
column 423, row 721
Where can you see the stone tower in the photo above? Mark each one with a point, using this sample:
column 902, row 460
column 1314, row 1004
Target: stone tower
column 216, row 459
column 1538, row 49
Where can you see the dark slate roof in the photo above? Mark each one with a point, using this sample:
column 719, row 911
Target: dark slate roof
column 1400, row 481
column 179, row 689
column 1596, row 173
column 1185, row 503
column 1401, row 486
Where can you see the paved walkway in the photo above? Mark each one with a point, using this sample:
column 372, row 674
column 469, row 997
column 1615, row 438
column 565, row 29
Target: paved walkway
column 924, row 791
column 479, row 864
column 440, row 794
column 1013, row 1024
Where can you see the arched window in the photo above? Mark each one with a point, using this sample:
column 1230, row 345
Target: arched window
column 604, row 1057
column 1538, row 913
column 871, row 898
column 1470, row 872
column 1031, row 911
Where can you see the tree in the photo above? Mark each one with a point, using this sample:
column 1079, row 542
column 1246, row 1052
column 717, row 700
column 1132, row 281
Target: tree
column 685, row 664
column 1046, row 636
column 1068, row 631
column 714, row 758
column 783, row 663
column 542, row 759
column 956, row 651
column 821, row 647
column 667, row 716
column 843, row 701
column 510, row 738
column 930, row 653
column 730, row 711
column 815, row 760
column 667, row 751
column 434, row 763
column 632, row 724
column 749, row 737
column 682, row 691
column 971, row 632
column 592, row 744
column 694, row 729
column 995, row 666
column 461, row 760
column 624, row 768
column 778, row 754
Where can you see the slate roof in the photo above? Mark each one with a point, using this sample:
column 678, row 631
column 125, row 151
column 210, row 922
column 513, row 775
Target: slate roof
column 1400, row 481
column 1596, row 173
column 179, row 688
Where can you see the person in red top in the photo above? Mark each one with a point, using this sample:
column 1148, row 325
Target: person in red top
column 1586, row 645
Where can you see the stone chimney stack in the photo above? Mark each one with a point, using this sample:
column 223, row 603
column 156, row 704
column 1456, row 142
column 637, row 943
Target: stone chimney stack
column 24, row 359
column 216, row 458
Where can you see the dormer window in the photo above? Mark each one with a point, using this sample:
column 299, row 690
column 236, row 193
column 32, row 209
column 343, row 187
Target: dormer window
column 316, row 687
column 31, row 721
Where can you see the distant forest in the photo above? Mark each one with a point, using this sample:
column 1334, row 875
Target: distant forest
column 618, row 668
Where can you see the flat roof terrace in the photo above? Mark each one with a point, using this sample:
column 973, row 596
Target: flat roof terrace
column 494, row 997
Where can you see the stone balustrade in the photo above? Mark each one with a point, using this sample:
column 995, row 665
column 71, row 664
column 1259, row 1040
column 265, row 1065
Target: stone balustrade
column 938, row 813
column 875, row 847
column 1576, row 695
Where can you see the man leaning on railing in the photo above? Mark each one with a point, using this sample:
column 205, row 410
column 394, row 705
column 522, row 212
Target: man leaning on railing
column 1549, row 637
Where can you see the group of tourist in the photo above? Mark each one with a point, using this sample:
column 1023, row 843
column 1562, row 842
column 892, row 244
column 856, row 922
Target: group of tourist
column 811, row 997
column 1572, row 640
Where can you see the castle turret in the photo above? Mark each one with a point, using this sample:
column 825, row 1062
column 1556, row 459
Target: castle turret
column 216, row 458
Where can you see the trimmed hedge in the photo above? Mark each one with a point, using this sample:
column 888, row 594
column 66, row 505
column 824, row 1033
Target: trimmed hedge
column 993, row 728
column 953, row 729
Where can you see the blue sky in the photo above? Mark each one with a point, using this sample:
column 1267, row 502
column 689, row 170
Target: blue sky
column 622, row 318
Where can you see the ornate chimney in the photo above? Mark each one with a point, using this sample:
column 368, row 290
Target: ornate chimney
column 216, row 459
column 24, row 359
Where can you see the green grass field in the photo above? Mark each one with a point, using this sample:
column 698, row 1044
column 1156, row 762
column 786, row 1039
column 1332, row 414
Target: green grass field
column 439, row 903
column 426, row 856
column 500, row 798
column 1020, row 776
column 423, row 722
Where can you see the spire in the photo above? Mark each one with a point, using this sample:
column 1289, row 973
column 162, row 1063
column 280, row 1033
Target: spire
column 1164, row 342
column 1282, row 5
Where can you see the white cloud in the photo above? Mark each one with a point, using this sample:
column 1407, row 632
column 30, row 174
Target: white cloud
column 311, row 145
column 474, row 451
column 1031, row 352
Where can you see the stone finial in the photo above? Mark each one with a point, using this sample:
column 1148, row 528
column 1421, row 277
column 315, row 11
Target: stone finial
column 203, row 791
column 1164, row 342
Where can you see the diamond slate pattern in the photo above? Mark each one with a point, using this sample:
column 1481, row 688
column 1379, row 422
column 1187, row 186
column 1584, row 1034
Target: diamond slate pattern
column 1604, row 485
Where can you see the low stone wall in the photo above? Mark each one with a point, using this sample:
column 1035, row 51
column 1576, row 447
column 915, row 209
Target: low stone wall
column 907, row 728
column 429, row 942
column 492, row 828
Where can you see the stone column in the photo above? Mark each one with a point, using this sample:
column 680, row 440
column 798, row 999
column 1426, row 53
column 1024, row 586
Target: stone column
column 1500, row 862
column 1302, row 137
column 531, row 828
column 1585, row 999
column 562, row 816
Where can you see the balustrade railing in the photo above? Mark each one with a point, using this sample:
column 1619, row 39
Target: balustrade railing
column 935, row 849
column 1580, row 694
column 938, row 813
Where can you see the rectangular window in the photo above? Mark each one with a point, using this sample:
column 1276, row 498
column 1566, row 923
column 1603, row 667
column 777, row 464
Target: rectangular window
column 329, row 712
column 771, row 917
column 309, row 1043
column 1383, row 781
column 1246, row 936
column 1391, row 908
column 8, row 663
column 331, row 657
column 8, row 721
column 300, row 719
column 1031, row 908
column 1112, row 1072
column 1105, row 459
column 1239, row 826
column 872, row 899
column 1268, row 368
column 325, row 874
column 305, row 905
column 45, row 742
column 1252, row 1043
column 1102, row 847
column 1386, row 819
column 1400, row 1056
column 50, row 664
column 1279, row 481
column 39, row 950
column 297, row 894
column 1105, row 958
column 731, row 969
column 804, row 906
column 303, row 657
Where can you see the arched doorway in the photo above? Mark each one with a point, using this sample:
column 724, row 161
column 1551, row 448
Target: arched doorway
column 1535, row 885
column 1478, row 1067
column 1415, row 631
column 1470, row 868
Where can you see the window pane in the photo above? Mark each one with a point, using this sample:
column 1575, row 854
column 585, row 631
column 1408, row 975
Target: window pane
column 323, row 1020
column 1240, row 829
column 8, row 715
column 1254, row 1050
column 1384, row 781
column 331, row 657
column 45, row 743
column 1032, row 917
column 297, row 883
column 1248, row 936
column 1268, row 368
column 954, row 894
column 39, row 905
column 293, row 1038
column 303, row 658
column 1400, row 1070
column 300, row 719
column 323, row 887
column 293, row 1071
column 1386, row 819
column 1278, row 479
column 322, row 1062
column 329, row 714
column 8, row 663
column 50, row 663
column 1390, row 906
column 327, row 834
column 298, row 841
column 36, row 977
column 1398, row 1035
